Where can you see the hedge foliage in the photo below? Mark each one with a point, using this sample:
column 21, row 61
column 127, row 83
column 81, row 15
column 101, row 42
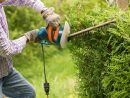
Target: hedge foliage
column 103, row 56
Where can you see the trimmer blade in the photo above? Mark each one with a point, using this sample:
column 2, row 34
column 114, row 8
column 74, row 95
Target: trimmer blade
column 88, row 30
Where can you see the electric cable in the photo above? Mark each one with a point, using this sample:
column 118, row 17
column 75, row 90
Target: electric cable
column 46, row 84
column 44, row 63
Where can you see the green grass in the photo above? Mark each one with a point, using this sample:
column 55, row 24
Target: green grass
column 60, row 72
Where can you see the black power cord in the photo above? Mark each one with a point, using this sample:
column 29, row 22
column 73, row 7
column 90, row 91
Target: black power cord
column 46, row 84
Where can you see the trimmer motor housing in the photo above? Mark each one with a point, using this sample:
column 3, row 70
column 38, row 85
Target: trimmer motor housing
column 57, row 36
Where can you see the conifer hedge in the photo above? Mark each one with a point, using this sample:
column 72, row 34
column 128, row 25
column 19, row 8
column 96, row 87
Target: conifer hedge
column 103, row 56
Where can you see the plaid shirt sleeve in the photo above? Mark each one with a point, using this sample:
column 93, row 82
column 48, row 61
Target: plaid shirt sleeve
column 35, row 4
column 12, row 47
column 8, row 47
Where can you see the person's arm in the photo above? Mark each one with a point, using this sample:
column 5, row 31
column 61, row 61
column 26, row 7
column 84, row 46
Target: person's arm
column 48, row 14
column 35, row 4
column 10, row 47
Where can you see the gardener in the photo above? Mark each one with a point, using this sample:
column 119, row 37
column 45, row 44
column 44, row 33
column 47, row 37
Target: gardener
column 12, row 83
column 123, row 4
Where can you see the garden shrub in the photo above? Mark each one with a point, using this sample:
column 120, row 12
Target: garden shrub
column 103, row 55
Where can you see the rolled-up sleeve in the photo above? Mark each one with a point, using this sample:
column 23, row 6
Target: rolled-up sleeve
column 10, row 47
column 35, row 4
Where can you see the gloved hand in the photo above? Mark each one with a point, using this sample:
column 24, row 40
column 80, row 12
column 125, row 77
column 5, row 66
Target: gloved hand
column 50, row 17
column 32, row 35
column 36, row 35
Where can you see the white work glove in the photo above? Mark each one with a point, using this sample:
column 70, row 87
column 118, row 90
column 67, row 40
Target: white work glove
column 51, row 17
column 32, row 35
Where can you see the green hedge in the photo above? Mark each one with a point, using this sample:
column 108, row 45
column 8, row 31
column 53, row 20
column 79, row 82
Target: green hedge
column 103, row 56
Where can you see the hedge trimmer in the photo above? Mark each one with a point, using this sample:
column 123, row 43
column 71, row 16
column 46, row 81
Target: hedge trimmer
column 59, row 36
